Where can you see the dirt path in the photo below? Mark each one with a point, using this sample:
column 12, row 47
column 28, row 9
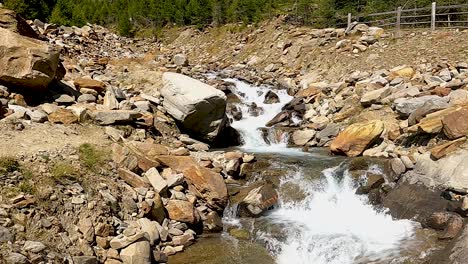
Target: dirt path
column 47, row 137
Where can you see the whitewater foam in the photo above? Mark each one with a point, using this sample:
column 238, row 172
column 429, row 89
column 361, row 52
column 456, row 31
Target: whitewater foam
column 334, row 225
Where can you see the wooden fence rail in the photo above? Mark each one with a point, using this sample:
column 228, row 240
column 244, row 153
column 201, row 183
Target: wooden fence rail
column 434, row 16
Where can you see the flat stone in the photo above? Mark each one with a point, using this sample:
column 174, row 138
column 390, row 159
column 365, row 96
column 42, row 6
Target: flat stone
column 63, row 116
column 33, row 246
column 132, row 179
column 85, row 260
column 86, row 98
column 122, row 241
column 38, row 116
column 109, row 117
column 16, row 258
column 65, row 99
column 156, row 180
column 89, row 83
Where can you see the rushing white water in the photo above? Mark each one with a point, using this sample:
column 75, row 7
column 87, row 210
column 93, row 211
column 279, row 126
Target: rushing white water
column 334, row 225
column 249, row 126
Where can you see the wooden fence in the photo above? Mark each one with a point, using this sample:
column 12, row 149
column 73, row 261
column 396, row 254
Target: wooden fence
column 433, row 17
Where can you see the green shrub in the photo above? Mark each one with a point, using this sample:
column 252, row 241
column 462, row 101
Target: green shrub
column 61, row 170
column 90, row 156
column 26, row 187
column 8, row 164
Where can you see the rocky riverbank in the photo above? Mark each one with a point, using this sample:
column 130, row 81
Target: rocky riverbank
column 148, row 185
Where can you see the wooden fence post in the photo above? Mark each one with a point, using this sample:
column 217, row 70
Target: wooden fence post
column 349, row 20
column 433, row 16
column 398, row 21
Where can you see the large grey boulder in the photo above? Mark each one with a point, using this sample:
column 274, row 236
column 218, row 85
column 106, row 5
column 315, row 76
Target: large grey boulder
column 448, row 172
column 406, row 106
column 199, row 108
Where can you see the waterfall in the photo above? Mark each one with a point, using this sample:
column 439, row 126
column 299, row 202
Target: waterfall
column 250, row 126
column 334, row 225
column 331, row 225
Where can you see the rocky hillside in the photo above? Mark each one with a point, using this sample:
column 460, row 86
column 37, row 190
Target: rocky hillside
column 105, row 140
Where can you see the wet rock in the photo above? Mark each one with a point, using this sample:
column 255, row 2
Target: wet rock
column 357, row 138
column 281, row 117
column 458, row 253
column 451, row 223
column 240, row 233
column 373, row 181
column 404, row 204
column 254, row 110
column 182, row 211
column 301, row 137
column 258, row 201
column 271, row 98
column 198, row 107
column 213, row 222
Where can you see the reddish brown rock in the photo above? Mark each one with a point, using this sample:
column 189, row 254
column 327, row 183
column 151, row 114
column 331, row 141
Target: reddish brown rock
column 63, row 116
column 311, row 91
column 132, row 179
column 181, row 211
column 456, row 124
column 89, row 83
column 357, row 137
column 451, row 223
column 443, row 150
column 206, row 184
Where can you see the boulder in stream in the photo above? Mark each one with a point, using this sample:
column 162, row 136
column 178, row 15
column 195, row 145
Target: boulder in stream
column 271, row 98
column 258, row 201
